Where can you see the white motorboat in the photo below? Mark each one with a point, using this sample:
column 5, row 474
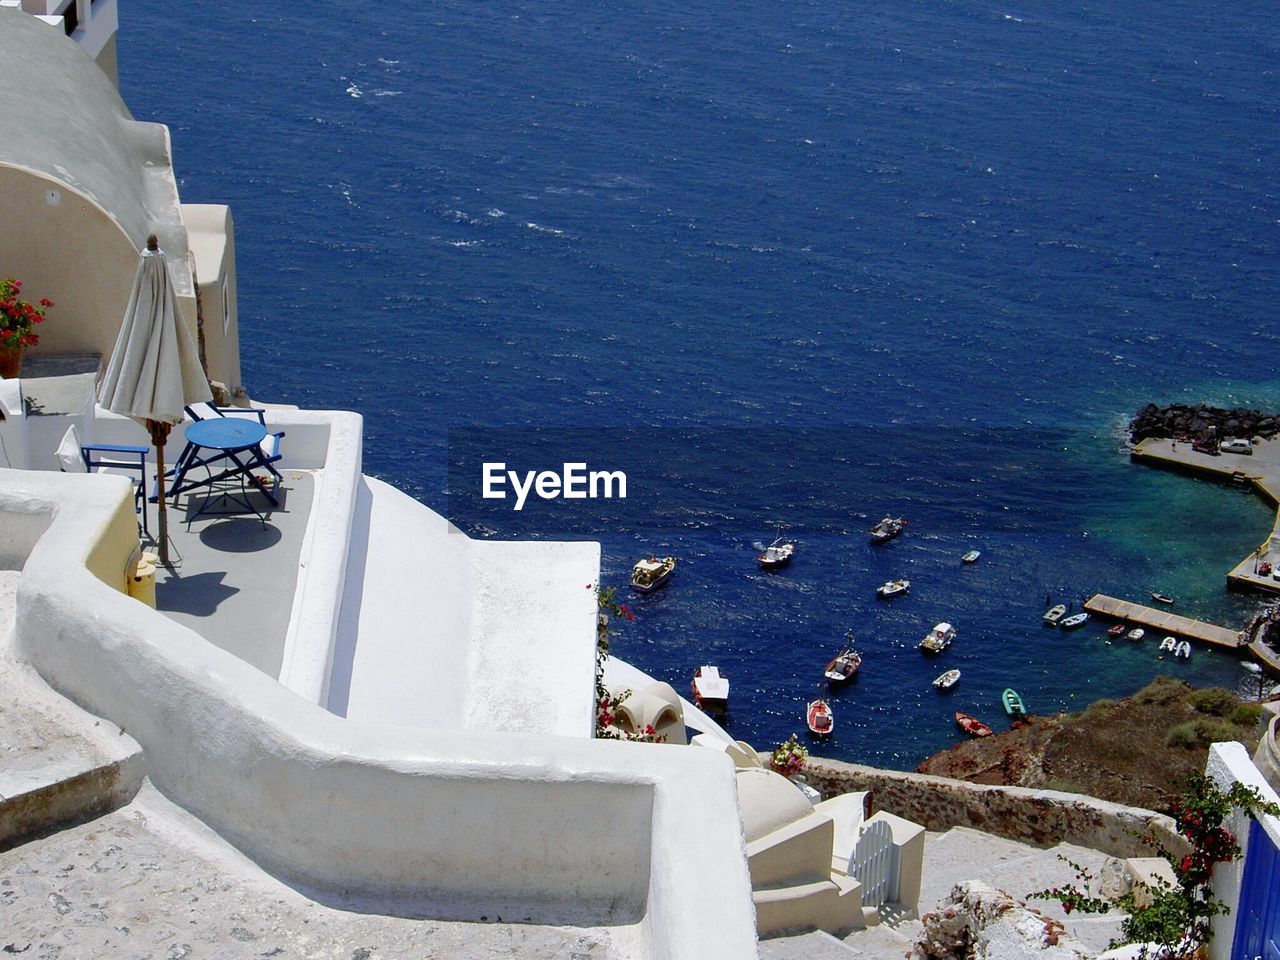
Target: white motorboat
column 938, row 639
column 1183, row 650
column 972, row 556
column 945, row 681
column 710, row 690
column 1054, row 614
column 892, row 588
column 1073, row 621
column 777, row 554
column 1168, row 644
column 1136, row 634
column 649, row 575
column 887, row 529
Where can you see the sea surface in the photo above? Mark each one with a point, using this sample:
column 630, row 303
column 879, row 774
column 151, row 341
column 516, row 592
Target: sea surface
column 801, row 264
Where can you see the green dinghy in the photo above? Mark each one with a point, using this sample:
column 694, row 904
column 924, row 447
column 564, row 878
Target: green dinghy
column 1013, row 703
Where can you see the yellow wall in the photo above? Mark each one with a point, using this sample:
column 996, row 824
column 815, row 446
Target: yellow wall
column 115, row 546
column 73, row 253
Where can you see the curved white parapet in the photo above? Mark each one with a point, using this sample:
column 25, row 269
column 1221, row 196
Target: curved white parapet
column 449, row 824
column 330, row 440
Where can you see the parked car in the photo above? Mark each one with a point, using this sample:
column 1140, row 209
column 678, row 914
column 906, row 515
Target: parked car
column 1236, row 445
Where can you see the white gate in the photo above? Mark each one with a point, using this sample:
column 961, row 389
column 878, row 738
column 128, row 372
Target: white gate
column 872, row 864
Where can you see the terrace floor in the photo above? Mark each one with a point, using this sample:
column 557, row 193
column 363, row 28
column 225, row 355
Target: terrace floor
column 233, row 577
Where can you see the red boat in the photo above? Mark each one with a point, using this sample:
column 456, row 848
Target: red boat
column 972, row 725
column 1117, row 630
column 819, row 718
column 842, row 667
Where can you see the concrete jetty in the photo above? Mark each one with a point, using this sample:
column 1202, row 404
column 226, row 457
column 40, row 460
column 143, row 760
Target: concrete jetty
column 1163, row 621
column 1259, row 471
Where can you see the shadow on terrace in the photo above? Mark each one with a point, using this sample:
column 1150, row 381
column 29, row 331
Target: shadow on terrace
column 233, row 576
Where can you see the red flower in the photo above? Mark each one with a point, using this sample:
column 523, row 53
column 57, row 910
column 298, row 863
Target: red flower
column 46, row 302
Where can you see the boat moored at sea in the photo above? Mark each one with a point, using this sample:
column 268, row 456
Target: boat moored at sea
column 1054, row 614
column 887, row 529
column 1116, row 630
column 972, row 725
column 819, row 718
column 1074, row 621
column 892, row 588
column 1183, row 650
column 777, row 554
column 1136, row 634
column 649, row 575
column 1162, row 598
column 972, row 556
column 938, row 639
column 1012, row 703
column 1168, row 644
column 945, row 681
column 710, row 690
column 844, row 665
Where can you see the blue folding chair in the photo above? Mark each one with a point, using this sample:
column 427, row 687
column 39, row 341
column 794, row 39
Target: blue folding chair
column 76, row 457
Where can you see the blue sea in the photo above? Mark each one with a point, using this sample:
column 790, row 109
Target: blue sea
column 801, row 264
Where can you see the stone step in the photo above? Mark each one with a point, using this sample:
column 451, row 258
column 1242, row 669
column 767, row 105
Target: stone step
column 879, row 943
column 58, row 764
column 805, row 946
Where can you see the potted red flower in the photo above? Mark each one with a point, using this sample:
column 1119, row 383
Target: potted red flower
column 18, row 319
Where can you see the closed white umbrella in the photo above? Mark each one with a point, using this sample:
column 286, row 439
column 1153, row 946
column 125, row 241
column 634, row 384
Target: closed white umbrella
column 154, row 370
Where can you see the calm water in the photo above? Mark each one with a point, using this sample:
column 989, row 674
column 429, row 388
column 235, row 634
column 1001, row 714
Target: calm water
column 906, row 257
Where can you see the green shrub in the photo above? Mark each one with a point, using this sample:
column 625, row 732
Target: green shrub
column 1246, row 715
column 1097, row 710
column 1215, row 701
column 1201, row 732
column 1160, row 690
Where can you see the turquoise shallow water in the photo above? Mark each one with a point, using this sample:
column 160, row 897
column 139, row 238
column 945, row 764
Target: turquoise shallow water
column 961, row 240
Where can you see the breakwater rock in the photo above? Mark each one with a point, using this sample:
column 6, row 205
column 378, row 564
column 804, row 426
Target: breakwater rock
column 1179, row 420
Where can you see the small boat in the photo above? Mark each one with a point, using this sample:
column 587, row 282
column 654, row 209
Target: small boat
column 1162, row 598
column 972, row 556
column 1054, row 614
column 946, row 681
column 649, row 575
column 777, row 554
column 819, row 717
column 710, row 690
column 892, row 588
column 1012, row 703
column 1183, row 650
column 887, row 529
column 1074, row 621
column 938, row 639
column 972, row 725
column 844, row 664
column 1136, row 634
column 1117, row 630
column 1168, row 643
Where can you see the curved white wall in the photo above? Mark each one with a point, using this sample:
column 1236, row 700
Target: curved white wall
column 457, row 824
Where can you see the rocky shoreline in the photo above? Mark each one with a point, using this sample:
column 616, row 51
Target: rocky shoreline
column 1178, row 421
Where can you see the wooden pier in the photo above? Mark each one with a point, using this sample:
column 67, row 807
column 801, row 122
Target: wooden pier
column 1162, row 621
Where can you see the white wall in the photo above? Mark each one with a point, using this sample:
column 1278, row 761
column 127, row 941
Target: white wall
column 1229, row 763
column 457, row 824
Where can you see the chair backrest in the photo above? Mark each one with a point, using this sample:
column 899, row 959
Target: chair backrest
column 70, row 454
column 207, row 411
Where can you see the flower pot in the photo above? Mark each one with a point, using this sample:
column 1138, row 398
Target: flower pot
column 10, row 362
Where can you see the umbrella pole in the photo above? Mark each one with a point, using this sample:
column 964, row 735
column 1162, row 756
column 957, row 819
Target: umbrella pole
column 159, row 434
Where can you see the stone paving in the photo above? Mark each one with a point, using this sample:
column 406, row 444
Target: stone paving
column 149, row 882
